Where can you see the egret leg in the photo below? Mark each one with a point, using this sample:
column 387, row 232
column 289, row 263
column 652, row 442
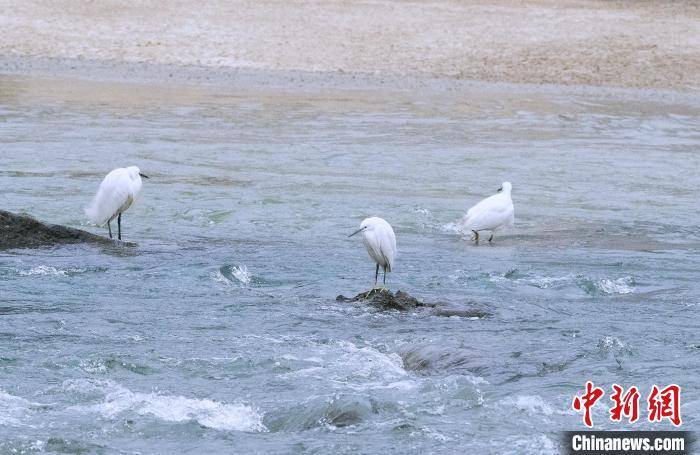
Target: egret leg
column 109, row 226
column 119, row 225
column 376, row 275
column 491, row 238
column 476, row 236
column 385, row 277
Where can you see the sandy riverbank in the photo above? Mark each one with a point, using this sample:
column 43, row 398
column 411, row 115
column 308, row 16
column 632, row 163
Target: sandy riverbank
column 611, row 43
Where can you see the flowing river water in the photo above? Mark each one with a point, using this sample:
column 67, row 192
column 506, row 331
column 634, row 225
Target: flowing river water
column 219, row 331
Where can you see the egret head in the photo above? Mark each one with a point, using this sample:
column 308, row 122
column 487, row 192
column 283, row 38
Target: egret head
column 366, row 224
column 134, row 171
column 363, row 227
column 505, row 187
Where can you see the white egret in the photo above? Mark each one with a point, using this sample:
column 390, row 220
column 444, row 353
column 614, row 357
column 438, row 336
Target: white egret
column 119, row 189
column 380, row 241
column 491, row 213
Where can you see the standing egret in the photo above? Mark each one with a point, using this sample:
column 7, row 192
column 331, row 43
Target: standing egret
column 119, row 189
column 380, row 241
column 491, row 213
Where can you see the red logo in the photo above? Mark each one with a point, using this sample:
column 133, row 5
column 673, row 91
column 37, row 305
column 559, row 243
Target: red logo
column 586, row 401
column 665, row 404
column 626, row 404
column 662, row 403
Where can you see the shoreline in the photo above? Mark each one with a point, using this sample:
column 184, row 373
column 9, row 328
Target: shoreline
column 234, row 80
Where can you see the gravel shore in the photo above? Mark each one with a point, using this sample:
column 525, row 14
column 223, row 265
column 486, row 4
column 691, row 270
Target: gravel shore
column 635, row 44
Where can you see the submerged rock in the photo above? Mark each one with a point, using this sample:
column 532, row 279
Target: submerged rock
column 384, row 299
column 471, row 313
column 23, row 231
column 338, row 411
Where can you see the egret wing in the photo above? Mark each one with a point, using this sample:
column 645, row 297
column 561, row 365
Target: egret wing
column 372, row 243
column 114, row 192
column 387, row 245
column 489, row 214
column 511, row 216
column 474, row 215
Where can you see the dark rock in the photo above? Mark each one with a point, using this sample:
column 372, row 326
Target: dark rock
column 22, row 231
column 384, row 299
column 444, row 356
column 402, row 301
column 338, row 410
column 461, row 312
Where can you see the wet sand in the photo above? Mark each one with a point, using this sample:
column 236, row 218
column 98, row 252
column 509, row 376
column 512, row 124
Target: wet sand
column 594, row 43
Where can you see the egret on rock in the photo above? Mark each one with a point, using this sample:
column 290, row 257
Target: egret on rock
column 380, row 241
column 117, row 192
column 491, row 213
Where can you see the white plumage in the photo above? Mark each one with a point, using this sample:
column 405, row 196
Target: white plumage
column 117, row 192
column 380, row 241
column 491, row 213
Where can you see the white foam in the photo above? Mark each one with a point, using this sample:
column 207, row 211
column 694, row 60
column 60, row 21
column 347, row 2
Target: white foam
column 311, row 371
column 532, row 405
column 219, row 277
column 241, row 273
column 48, row 270
column 546, row 282
column 367, row 361
column 542, row 282
column 93, row 366
column 173, row 408
column 461, row 386
column 611, row 343
column 12, row 409
column 450, row 228
column 421, row 211
column 359, row 368
column 435, row 435
column 623, row 285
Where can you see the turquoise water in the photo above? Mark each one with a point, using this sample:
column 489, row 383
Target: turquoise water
column 220, row 332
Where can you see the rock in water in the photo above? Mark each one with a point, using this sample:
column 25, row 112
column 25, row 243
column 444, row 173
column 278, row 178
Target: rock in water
column 470, row 313
column 22, row 231
column 385, row 300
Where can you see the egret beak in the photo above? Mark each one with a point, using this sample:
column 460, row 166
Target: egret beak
column 357, row 231
column 143, row 175
column 499, row 190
